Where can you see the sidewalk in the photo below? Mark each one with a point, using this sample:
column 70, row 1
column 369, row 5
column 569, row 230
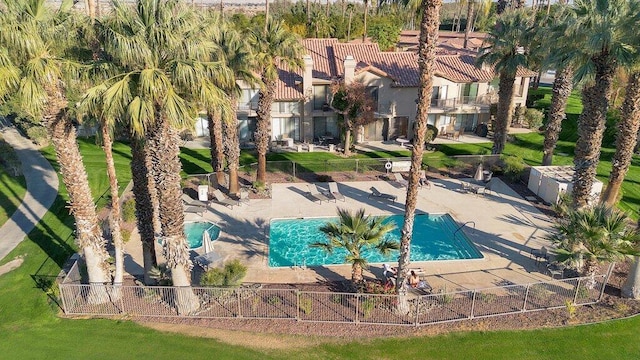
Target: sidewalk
column 42, row 189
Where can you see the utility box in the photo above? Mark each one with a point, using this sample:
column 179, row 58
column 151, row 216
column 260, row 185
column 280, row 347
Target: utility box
column 550, row 182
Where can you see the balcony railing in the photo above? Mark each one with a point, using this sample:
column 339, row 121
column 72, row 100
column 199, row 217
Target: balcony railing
column 248, row 106
column 459, row 102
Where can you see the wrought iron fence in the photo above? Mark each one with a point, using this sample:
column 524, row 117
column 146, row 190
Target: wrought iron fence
column 258, row 303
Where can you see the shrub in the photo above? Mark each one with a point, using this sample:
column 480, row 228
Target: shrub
column 274, row 300
column 161, row 274
column 431, row 130
column 126, row 235
column 129, row 210
column 230, row 275
column 324, row 178
column 367, row 307
column 38, row 134
column 306, row 305
column 259, row 186
column 513, row 167
column 534, row 118
column 571, row 308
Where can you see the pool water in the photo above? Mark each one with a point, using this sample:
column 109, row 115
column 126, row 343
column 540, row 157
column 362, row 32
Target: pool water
column 433, row 239
column 195, row 230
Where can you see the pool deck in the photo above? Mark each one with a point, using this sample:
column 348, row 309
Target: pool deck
column 507, row 227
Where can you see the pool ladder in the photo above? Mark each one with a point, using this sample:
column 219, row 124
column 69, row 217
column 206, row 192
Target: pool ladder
column 462, row 226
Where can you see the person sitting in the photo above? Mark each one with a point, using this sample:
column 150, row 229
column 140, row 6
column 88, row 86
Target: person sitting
column 423, row 179
column 414, row 279
column 389, row 272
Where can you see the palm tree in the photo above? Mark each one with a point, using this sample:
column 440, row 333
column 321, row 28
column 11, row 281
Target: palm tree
column 506, row 51
column 601, row 26
column 275, row 49
column 467, row 29
column 589, row 236
column 426, row 58
column 238, row 56
column 626, row 139
column 167, row 71
column 631, row 287
column 33, row 73
column 357, row 233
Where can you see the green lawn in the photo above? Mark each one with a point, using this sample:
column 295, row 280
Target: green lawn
column 12, row 191
column 31, row 329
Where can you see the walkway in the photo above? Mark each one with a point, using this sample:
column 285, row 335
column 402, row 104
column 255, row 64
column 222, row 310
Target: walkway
column 42, row 189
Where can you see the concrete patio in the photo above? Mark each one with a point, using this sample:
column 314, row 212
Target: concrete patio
column 507, row 227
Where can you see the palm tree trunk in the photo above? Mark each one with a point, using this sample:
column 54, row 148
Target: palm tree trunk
column 426, row 58
column 217, row 148
column 625, row 139
column 505, row 111
column 631, row 287
column 114, row 218
column 88, row 235
column 366, row 11
column 591, row 124
column 356, row 269
column 263, row 126
column 562, row 86
column 347, row 140
column 349, row 26
column 143, row 188
column 232, row 146
column 467, row 29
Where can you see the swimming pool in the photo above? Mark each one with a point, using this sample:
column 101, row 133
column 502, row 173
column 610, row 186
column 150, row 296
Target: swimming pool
column 433, row 239
column 195, row 230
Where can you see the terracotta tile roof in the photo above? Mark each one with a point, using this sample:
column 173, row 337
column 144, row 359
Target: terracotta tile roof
column 286, row 87
column 460, row 68
column 321, row 51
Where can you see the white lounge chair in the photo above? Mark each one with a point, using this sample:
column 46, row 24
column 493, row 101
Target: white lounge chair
column 378, row 194
column 316, row 195
column 220, row 199
column 193, row 206
column 334, row 192
column 400, row 180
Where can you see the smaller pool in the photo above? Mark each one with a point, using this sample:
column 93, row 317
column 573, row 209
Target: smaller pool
column 194, row 231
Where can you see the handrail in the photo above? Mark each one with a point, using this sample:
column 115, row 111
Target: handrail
column 463, row 225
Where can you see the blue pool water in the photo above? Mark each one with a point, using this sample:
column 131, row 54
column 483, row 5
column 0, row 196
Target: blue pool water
column 433, row 239
column 195, row 230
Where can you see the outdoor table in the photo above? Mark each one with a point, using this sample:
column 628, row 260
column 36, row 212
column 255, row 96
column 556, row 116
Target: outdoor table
column 402, row 141
column 476, row 186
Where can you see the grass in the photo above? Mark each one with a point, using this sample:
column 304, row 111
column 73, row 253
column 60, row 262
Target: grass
column 12, row 190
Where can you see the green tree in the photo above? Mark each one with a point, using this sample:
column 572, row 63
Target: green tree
column 37, row 52
column 426, row 58
column 275, row 48
column 506, row 51
column 385, row 30
column 589, row 236
column 605, row 31
column 357, row 233
column 355, row 107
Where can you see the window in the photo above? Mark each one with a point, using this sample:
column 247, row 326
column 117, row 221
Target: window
column 246, row 128
column 284, row 107
column 325, row 126
column 373, row 92
column 469, row 93
column 282, row 128
column 248, row 100
column 320, row 96
column 439, row 93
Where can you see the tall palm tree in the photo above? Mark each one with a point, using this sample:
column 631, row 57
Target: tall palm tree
column 426, row 58
column 235, row 51
column 357, row 233
column 506, row 50
column 601, row 27
column 631, row 287
column 34, row 74
column 275, row 49
column 167, row 72
column 589, row 236
column 626, row 139
column 467, row 29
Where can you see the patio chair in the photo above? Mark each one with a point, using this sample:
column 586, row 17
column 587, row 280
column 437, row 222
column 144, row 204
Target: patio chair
column 220, row 199
column 400, row 180
column 208, row 260
column 465, row 186
column 334, row 192
column 189, row 201
column 378, row 194
column 543, row 253
column 198, row 210
column 489, row 187
column 316, row 195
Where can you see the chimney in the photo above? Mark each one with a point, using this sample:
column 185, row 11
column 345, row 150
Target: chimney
column 349, row 69
column 307, row 75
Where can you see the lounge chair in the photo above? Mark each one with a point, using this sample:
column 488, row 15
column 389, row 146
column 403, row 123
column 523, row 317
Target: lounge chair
column 378, row 194
column 198, row 210
column 189, row 201
column 316, row 195
column 208, row 260
column 400, row 180
column 334, row 192
column 220, row 199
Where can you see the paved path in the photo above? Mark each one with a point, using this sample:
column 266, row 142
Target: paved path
column 42, row 189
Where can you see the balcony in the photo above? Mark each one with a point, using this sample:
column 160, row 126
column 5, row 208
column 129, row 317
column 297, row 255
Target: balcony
column 456, row 103
column 250, row 106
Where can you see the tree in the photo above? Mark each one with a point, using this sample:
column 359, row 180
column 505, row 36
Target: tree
column 33, row 72
column 506, row 51
column 631, row 287
column 167, row 70
column 426, row 58
column 626, row 139
column 601, row 27
column 275, row 49
column 589, row 236
column 357, row 233
column 467, row 29
column 354, row 105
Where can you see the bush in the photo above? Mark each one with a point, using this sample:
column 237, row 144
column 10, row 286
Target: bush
column 433, row 131
column 231, row 275
column 126, row 235
column 306, row 305
column 513, row 167
column 534, row 118
column 324, row 178
column 259, row 186
column 38, row 134
column 129, row 210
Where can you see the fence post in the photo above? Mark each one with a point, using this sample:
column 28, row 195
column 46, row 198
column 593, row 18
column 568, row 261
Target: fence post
column 526, row 297
column 64, row 303
column 418, row 309
column 297, row 305
column 294, row 168
column 575, row 296
column 121, row 293
column 605, row 281
column 238, row 299
column 356, row 166
column 473, row 304
column 357, row 308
